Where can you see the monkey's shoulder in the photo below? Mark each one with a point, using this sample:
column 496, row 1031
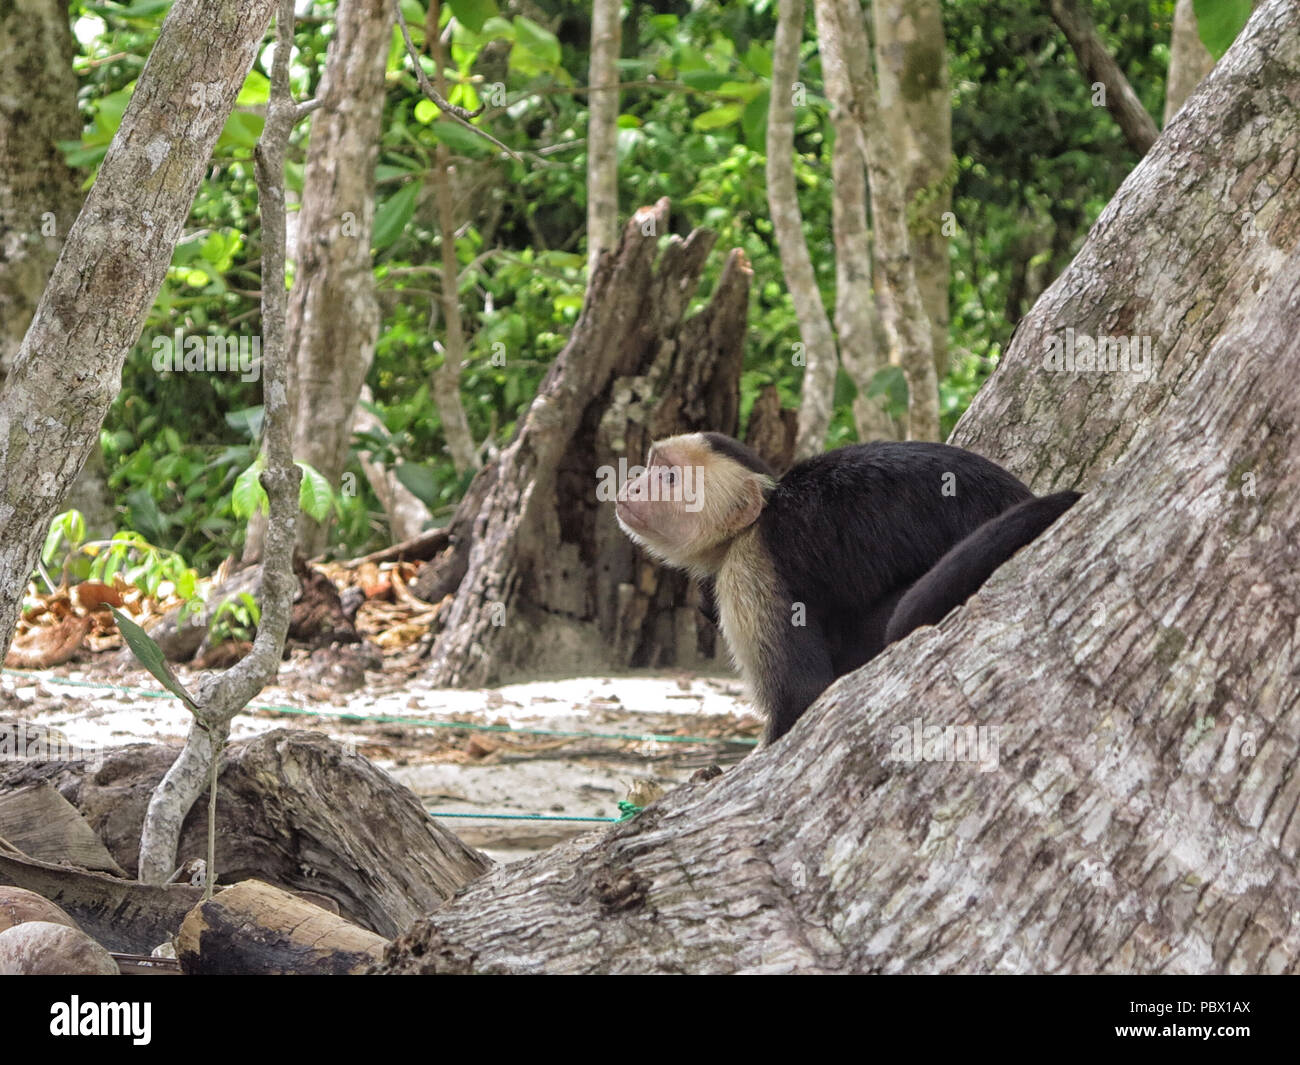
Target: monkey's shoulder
column 849, row 476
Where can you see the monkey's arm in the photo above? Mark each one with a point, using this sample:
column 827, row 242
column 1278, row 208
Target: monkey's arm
column 798, row 672
column 958, row 575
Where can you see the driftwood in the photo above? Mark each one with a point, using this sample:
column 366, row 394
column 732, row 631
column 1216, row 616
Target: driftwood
column 295, row 809
column 256, row 928
column 122, row 915
column 42, row 948
column 41, row 823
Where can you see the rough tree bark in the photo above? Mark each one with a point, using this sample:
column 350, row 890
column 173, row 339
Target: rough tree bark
column 333, row 314
column 602, row 130
column 39, row 193
column 69, row 367
column 820, row 358
column 1135, row 668
column 1100, row 68
column 904, row 314
column 1189, row 59
column 915, row 100
column 543, row 578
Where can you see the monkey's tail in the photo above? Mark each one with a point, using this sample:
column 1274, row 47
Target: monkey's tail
column 960, row 573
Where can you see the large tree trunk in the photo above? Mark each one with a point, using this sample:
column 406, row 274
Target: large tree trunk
column 39, row 192
column 916, row 102
column 69, row 367
column 1133, row 671
column 333, row 313
column 544, row 580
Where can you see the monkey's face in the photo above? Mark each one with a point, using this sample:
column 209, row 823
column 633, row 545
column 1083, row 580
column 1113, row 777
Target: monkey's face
column 687, row 502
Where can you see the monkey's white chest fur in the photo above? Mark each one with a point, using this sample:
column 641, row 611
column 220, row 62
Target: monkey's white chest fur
column 746, row 588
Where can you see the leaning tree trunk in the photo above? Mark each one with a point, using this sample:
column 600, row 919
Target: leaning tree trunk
column 69, row 367
column 543, row 578
column 1133, row 671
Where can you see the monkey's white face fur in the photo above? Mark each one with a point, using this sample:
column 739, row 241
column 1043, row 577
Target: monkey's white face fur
column 689, row 503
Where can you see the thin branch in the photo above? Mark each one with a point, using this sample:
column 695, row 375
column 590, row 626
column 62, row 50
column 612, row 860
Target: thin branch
column 457, row 114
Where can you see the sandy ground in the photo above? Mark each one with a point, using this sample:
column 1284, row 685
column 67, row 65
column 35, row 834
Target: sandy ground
column 527, row 767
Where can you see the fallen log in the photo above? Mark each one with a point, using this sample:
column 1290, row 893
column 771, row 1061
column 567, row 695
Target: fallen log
column 256, row 928
column 122, row 915
column 294, row 809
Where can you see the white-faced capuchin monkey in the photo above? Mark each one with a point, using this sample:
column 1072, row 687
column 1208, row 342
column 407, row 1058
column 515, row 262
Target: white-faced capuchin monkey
column 815, row 572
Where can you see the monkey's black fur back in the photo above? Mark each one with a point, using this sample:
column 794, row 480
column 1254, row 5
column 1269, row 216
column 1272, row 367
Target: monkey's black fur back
column 958, row 575
column 849, row 531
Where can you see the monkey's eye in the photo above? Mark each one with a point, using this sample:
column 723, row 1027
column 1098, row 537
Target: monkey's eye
column 670, row 477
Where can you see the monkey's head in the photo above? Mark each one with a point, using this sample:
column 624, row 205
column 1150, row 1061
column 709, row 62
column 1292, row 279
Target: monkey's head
column 696, row 494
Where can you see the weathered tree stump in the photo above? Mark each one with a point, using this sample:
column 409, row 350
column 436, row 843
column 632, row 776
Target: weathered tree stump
column 544, row 580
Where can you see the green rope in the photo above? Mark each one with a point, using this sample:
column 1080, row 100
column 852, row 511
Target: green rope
column 521, row 817
column 418, row 722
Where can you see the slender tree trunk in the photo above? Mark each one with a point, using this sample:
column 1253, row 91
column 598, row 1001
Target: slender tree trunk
column 904, row 312
column 819, row 357
column 333, row 314
column 916, row 105
column 1129, row 805
column 92, row 310
column 219, row 697
column 446, row 381
column 39, row 192
column 1189, row 59
column 602, row 130
column 407, row 516
column 1100, row 69
column 857, row 324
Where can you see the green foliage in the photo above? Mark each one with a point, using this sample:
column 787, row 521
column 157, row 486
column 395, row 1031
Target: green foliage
column 1219, row 22
column 150, row 655
column 1035, row 163
column 127, row 555
column 235, row 618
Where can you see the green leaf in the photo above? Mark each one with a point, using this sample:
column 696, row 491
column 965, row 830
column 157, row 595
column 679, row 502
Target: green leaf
column 725, row 115
column 425, row 111
column 473, row 13
column 419, row 481
column 394, row 214
column 248, row 496
column 459, row 139
column 241, row 131
column 314, row 494
column 151, row 657
column 1219, row 22
column 754, row 121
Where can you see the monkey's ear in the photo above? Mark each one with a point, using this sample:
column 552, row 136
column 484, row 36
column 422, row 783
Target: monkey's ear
column 749, row 505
